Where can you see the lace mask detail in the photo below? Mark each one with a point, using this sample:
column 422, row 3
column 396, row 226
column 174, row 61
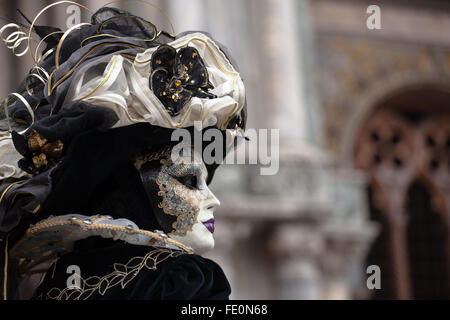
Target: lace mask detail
column 176, row 201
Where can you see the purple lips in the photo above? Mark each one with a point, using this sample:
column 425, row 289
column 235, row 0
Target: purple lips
column 209, row 225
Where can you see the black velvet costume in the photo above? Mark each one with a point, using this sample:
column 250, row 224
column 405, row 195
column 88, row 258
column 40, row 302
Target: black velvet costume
column 115, row 188
column 171, row 276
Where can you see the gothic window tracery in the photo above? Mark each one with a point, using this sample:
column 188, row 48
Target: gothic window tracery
column 406, row 154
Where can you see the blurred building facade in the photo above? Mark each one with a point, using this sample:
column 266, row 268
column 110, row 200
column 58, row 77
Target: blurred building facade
column 384, row 96
column 364, row 142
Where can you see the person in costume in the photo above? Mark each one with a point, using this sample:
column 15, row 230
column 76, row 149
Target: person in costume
column 88, row 180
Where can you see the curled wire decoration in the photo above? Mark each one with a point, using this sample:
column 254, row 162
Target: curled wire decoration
column 45, row 9
column 41, row 72
column 25, row 102
column 40, row 57
column 14, row 39
column 38, row 73
column 27, row 87
column 64, row 36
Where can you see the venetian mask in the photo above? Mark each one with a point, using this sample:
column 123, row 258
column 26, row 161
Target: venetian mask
column 180, row 198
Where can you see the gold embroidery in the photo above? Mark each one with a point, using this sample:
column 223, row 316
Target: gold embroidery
column 122, row 274
column 40, row 160
column 49, row 223
column 42, row 149
column 53, row 149
column 145, row 157
column 36, row 141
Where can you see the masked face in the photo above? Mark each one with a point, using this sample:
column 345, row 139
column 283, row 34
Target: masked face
column 182, row 202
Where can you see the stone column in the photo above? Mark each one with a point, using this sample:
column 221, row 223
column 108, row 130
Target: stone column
column 282, row 70
column 188, row 15
column 298, row 247
column 346, row 249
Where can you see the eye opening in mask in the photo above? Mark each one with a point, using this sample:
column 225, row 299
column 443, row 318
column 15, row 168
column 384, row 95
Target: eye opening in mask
column 189, row 180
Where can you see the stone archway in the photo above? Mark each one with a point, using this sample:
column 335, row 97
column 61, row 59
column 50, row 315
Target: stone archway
column 381, row 91
column 404, row 139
